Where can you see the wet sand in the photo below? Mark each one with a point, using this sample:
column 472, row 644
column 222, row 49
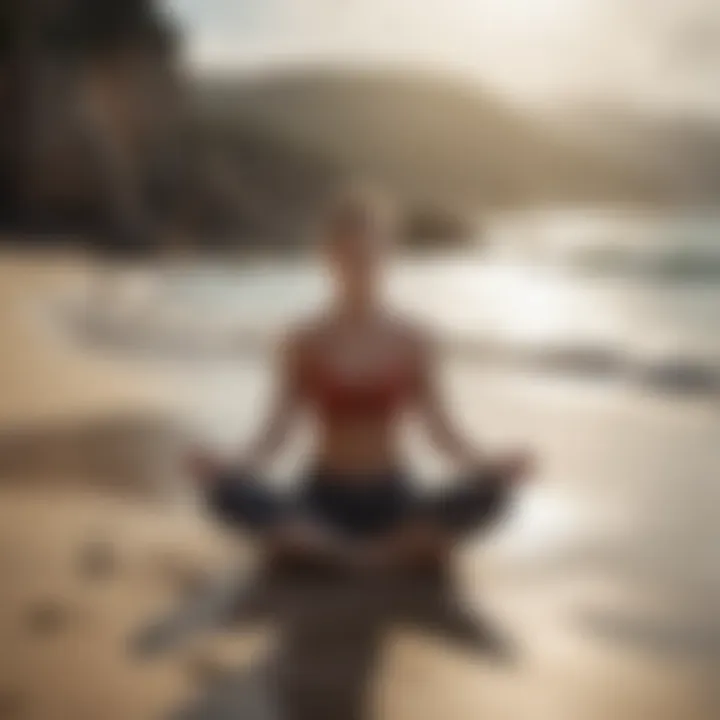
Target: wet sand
column 608, row 576
column 68, row 414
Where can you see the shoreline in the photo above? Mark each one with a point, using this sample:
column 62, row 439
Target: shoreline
column 66, row 409
column 591, row 596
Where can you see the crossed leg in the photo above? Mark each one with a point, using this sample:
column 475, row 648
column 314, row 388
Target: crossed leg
column 435, row 524
column 423, row 535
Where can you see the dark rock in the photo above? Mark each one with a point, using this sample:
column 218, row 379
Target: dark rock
column 681, row 376
column 48, row 617
column 98, row 559
column 207, row 668
column 183, row 574
column 434, row 227
column 11, row 703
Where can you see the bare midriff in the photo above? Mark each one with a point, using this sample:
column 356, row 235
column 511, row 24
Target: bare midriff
column 358, row 417
column 361, row 448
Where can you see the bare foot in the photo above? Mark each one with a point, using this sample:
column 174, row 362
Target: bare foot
column 411, row 548
column 307, row 543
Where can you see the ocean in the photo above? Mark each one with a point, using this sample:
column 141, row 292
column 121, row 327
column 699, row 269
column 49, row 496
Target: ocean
column 639, row 300
column 594, row 339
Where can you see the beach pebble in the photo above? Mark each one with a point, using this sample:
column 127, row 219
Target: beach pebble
column 11, row 703
column 680, row 376
column 186, row 575
column 207, row 667
column 97, row 559
column 47, row 617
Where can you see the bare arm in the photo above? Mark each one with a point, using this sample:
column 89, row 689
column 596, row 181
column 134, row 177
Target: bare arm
column 283, row 412
column 438, row 422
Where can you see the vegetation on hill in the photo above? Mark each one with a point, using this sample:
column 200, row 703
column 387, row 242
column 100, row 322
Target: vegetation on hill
column 101, row 135
column 434, row 139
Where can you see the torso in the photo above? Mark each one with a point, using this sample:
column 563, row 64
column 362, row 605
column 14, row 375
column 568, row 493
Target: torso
column 358, row 382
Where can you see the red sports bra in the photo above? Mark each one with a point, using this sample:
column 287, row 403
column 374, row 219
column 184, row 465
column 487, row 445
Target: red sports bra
column 377, row 395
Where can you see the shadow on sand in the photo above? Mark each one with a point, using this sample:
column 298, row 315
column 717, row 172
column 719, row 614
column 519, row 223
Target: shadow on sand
column 330, row 636
column 680, row 638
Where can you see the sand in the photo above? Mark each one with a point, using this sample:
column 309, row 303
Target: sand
column 81, row 568
column 64, row 633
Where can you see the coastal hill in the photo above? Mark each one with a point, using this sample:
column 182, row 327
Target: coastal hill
column 432, row 138
column 680, row 150
column 103, row 136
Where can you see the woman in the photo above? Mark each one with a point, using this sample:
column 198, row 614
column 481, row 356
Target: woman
column 358, row 370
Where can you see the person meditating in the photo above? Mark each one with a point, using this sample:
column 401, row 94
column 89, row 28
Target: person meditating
column 357, row 371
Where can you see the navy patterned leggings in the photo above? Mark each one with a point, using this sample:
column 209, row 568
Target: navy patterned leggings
column 359, row 507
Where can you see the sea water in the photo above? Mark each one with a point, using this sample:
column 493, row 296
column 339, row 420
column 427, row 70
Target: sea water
column 594, row 340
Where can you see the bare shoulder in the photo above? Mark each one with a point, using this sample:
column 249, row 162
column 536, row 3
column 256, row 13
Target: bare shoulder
column 302, row 336
column 420, row 338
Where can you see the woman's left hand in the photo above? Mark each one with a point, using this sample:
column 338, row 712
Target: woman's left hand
column 203, row 466
column 512, row 466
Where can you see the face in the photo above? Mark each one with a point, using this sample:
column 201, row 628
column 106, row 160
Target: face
column 356, row 247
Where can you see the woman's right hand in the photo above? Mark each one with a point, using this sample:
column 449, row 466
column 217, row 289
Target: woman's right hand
column 203, row 466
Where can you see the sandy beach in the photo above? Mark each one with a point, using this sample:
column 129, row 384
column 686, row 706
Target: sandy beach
column 606, row 576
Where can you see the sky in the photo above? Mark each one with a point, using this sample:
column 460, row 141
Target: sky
column 664, row 53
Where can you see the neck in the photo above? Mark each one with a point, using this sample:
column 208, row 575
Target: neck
column 356, row 307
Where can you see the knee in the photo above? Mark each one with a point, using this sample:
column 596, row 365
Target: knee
column 476, row 504
column 492, row 498
column 238, row 501
column 222, row 500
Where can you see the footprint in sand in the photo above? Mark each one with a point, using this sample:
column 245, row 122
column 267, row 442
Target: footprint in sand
column 11, row 703
column 49, row 617
column 97, row 560
column 186, row 576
